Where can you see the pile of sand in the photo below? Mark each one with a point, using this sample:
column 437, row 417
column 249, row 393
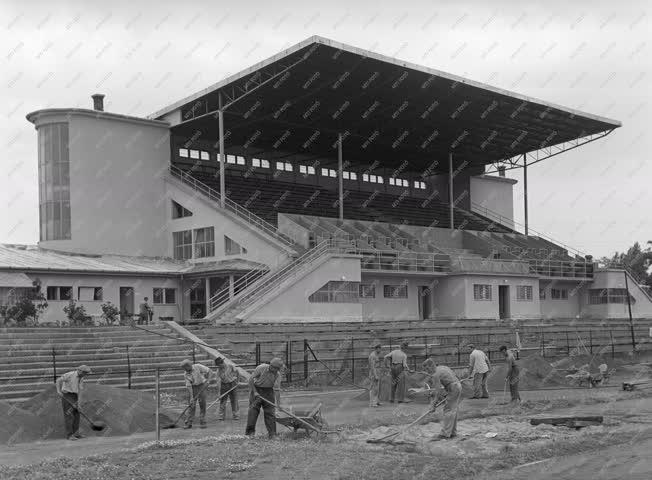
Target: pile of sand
column 41, row 417
column 535, row 372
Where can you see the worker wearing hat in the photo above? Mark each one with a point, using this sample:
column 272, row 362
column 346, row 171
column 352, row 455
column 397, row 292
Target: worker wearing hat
column 398, row 365
column 197, row 377
column 261, row 395
column 69, row 386
column 445, row 387
column 375, row 365
column 228, row 378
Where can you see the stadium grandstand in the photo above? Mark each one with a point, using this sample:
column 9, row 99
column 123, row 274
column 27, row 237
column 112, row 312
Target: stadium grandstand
column 326, row 183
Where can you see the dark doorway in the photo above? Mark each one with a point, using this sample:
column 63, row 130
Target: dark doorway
column 425, row 302
column 126, row 303
column 503, row 301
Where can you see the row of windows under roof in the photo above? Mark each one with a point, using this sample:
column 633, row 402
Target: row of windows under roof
column 305, row 170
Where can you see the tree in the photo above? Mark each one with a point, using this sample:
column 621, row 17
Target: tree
column 636, row 259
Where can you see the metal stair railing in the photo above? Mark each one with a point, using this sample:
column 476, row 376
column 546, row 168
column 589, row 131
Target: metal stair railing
column 505, row 221
column 622, row 266
column 223, row 295
column 233, row 207
column 278, row 276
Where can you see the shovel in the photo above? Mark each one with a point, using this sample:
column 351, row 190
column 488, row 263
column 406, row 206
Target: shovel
column 192, row 400
column 97, row 426
column 222, row 396
column 394, row 434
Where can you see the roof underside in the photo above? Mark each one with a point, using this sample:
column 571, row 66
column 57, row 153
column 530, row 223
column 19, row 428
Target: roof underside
column 389, row 112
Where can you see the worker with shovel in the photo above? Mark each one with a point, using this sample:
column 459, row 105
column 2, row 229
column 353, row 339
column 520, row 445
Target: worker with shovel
column 68, row 387
column 261, row 384
column 479, row 368
column 228, row 379
column 197, row 377
column 446, row 386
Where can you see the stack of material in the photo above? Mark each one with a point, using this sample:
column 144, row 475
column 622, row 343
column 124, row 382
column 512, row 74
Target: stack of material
column 535, row 372
column 123, row 412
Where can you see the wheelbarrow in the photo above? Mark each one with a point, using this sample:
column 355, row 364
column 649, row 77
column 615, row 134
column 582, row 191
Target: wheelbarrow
column 304, row 419
column 311, row 421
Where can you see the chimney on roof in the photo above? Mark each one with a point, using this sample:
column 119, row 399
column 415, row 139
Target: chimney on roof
column 501, row 171
column 98, row 102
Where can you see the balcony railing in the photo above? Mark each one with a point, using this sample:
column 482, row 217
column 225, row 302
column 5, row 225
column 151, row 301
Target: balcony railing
column 246, row 215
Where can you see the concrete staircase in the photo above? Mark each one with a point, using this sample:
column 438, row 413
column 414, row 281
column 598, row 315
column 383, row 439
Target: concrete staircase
column 27, row 363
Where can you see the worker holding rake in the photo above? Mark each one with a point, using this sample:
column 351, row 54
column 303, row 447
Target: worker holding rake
column 197, row 377
column 446, row 386
column 228, row 379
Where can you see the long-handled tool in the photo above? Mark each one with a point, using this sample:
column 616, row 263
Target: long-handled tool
column 222, row 396
column 300, row 420
column 399, row 432
column 193, row 399
column 97, row 426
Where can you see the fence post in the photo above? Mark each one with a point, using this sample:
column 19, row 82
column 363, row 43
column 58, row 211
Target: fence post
column 194, row 360
column 543, row 344
column 459, row 358
column 613, row 352
column 352, row 360
column 158, row 406
column 591, row 342
column 305, row 359
column 128, row 369
column 257, row 353
column 567, row 345
column 425, row 347
column 288, row 361
column 54, row 366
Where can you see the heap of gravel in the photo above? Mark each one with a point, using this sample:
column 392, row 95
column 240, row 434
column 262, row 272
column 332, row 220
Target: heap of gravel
column 41, row 417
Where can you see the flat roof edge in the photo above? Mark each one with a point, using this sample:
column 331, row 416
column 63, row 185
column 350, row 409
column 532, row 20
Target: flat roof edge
column 32, row 117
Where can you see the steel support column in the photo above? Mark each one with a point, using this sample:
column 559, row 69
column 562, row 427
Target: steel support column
column 340, row 175
column 525, row 193
column 220, row 121
column 450, row 191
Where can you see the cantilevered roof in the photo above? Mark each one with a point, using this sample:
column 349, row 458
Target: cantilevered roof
column 389, row 111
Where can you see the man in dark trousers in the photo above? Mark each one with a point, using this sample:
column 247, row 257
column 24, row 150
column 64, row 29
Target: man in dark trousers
column 144, row 312
column 261, row 384
column 446, row 385
column 398, row 365
column 228, row 377
column 68, row 387
column 512, row 376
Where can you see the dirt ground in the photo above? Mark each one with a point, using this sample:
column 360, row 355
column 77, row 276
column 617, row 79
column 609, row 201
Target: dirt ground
column 495, row 441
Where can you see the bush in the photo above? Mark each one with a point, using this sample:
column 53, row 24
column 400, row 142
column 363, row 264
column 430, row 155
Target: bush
column 110, row 313
column 27, row 307
column 76, row 314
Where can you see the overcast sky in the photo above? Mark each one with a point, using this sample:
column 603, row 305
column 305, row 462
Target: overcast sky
column 589, row 55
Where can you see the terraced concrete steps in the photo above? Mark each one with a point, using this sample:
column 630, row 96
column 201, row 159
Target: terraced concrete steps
column 26, row 361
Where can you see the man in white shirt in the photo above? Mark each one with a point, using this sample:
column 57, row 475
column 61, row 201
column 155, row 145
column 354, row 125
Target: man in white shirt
column 479, row 367
column 197, row 377
column 68, row 387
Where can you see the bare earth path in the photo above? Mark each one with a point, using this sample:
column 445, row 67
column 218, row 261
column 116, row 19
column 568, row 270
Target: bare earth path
column 617, row 450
